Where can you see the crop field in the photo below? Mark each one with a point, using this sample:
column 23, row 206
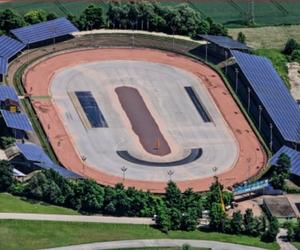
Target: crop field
column 230, row 13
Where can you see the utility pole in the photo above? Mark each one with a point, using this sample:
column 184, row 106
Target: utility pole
column 170, row 173
column 83, row 158
column 124, row 169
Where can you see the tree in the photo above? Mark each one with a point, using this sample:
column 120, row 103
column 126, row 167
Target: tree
column 6, row 175
column 7, row 141
column 9, row 19
column 214, row 194
column 217, row 217
column 290, row 46
column 281, row 171
column 251, row 223
column 51, row 16
column 237, row 223
column 295, row 56
column 189, row 220
column 92, row 18
column 163, row 220
column 35, row 16
column 173, row 196
column 270, row 234
column 241, row 37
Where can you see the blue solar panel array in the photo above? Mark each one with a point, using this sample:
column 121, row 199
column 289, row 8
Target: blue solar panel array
column 36, row 154
column 59, row 169
column 9, row 47
column 225, row 42
column 45, row 30
column 16, row 120
column 294, row 156
column 33, row 152
column 3, row 65
column 272, row 92
column 8, row 92
column 91, row 109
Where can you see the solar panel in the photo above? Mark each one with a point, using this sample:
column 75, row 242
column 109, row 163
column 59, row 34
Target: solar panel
column 16, row 120
column 59, row 169
column 224, row 42
column 9, row 47
column 33, row 152
column 8, row 92
column 272, row 92
column 45, row 30
column 91, row 109
column 3, row 65
column 294, row 156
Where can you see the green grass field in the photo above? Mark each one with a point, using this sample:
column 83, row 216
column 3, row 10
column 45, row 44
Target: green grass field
column 161, row 248
column 220, row 11
column 13, row 204
column 42, row 234
column 297, row 245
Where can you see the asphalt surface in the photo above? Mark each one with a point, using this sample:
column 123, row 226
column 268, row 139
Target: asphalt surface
column 214, row 245
column 162, row 89
column 76, row 218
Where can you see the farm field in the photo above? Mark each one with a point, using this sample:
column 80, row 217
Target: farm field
column 230, row 14
column 273, row 37
column 41, row 234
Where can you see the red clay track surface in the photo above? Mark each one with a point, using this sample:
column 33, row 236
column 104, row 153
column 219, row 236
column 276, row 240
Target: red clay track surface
column 142, row 122
column 38, row 79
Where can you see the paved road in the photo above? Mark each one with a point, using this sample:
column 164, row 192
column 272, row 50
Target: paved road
column 214, row 245
column 75, row 218
column 281, row 240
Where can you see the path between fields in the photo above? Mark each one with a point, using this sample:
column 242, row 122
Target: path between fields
column 76, row 218
column 214, row 245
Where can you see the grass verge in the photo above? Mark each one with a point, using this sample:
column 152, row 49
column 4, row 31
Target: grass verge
column 14, row 204
column 42, row 234
column 297, row 245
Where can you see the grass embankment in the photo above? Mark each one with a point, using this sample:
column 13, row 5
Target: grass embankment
column 13, row 204
column 42, row 234
column 161, row 248
column 279, row 61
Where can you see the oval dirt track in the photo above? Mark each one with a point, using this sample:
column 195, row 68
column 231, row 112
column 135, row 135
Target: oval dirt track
column 38, row 79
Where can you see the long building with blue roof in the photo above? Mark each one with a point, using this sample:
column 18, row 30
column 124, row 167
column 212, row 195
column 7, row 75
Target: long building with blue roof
column 268, row 100
column 44, row 31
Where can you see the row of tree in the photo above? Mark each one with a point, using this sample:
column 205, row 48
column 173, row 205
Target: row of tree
column 142, row 15
column 173, row 211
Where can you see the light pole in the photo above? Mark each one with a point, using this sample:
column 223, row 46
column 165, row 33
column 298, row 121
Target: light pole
column 132, row 27
column 83, row 158
column 123, row 169
column 173, row 30
column 249, row 100
column 206, row 51
column 236, row 79
column 226, row 64
column 170, row 173
column 271, row 136
column 259, row 117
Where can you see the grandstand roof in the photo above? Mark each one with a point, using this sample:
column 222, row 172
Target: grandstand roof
column 225, row 42
column 33, row 152
column 36, row 154
column 251, row 187
column 3, row 65
column 59, row 169
column 294, row 156
column 9, row 47
column 272, row 92
column 8, row 92
column 16, row 120
column 45, row 30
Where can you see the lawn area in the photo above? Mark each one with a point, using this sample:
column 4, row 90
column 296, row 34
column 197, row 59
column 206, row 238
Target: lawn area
column 14, row 204
column 268, row 37
column 279, row 62
column 161, row 248
column 42, row 234
column 297, row 245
